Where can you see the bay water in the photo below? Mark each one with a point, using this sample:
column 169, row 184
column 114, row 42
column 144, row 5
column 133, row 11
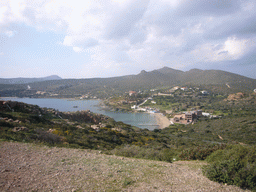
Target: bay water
column 141, row 120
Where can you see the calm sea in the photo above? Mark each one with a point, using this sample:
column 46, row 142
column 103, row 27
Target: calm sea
column 141, row 120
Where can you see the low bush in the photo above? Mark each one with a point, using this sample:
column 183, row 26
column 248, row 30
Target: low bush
column 200, row 152
column 234, row 165
column 47, row 137
column 144, row 153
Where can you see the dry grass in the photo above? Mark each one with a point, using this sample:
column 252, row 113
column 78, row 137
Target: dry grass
column 28, row 167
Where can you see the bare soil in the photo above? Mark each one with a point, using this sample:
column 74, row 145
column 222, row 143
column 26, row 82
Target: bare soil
column 30, row 167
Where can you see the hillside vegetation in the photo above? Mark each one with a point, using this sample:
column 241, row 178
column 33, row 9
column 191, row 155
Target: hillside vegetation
column 215, row 80
column 202, row 140
column 225, row 140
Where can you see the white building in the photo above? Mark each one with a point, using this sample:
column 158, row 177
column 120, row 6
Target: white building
column 134, row 107
column 184, row 88
column 206, row 114
column 204, row 92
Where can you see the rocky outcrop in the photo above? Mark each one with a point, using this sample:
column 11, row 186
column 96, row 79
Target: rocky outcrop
column 84, row 116
column 16, row 129
column 235, row 97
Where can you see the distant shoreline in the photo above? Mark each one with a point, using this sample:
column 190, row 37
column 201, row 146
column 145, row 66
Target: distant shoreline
column 64, row 98
column 9, row 97
column 161, row 120
column 158, row 122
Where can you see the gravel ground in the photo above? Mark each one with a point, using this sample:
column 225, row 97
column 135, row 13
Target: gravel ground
column 29, row 167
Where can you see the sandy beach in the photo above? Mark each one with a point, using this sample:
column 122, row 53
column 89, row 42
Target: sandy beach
column 162, row 120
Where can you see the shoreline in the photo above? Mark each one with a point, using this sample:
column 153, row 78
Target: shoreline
column 162, row 120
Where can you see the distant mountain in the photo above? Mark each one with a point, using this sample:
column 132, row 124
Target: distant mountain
column 52, row 77
column 212, row 80
column 21, row 80
column 167, row 70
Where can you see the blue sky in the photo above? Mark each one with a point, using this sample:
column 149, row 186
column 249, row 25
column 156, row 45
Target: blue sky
column 105, row 38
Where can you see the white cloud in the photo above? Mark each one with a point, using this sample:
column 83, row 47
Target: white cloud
column 9, row 33
column 119, row 1
column 236, row 47
column 77, row 49
column 231, row 49
column 3, row 11
column 79, row 40
column 150, row 34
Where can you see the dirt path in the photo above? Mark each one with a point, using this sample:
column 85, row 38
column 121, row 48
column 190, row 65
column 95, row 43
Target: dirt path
column 28, row 167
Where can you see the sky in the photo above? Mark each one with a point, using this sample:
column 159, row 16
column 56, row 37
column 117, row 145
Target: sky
column 106, row 38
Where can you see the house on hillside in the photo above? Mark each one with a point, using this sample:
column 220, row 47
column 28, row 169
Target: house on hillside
column 134, row 107
column 164, row 94
column 84, row 97
column 132, row 93
column 181, row 118
column 198, row 113
column 184, row 88
column 204, row 92
column 190, row 116
column 206, row 114
column 178, row 118
column 40, row 93
column 187, row 117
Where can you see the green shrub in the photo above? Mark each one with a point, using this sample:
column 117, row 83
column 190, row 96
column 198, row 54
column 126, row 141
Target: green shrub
column 47, row 137
column 167, row 155
column 235, row 165
column 200, row 152
column 144, row 153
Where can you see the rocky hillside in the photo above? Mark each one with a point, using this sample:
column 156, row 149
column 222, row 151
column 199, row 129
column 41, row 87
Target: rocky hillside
column 227, row 144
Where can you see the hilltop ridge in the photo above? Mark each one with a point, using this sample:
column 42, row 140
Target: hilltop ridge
column 163, row 77
column 22, row 80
